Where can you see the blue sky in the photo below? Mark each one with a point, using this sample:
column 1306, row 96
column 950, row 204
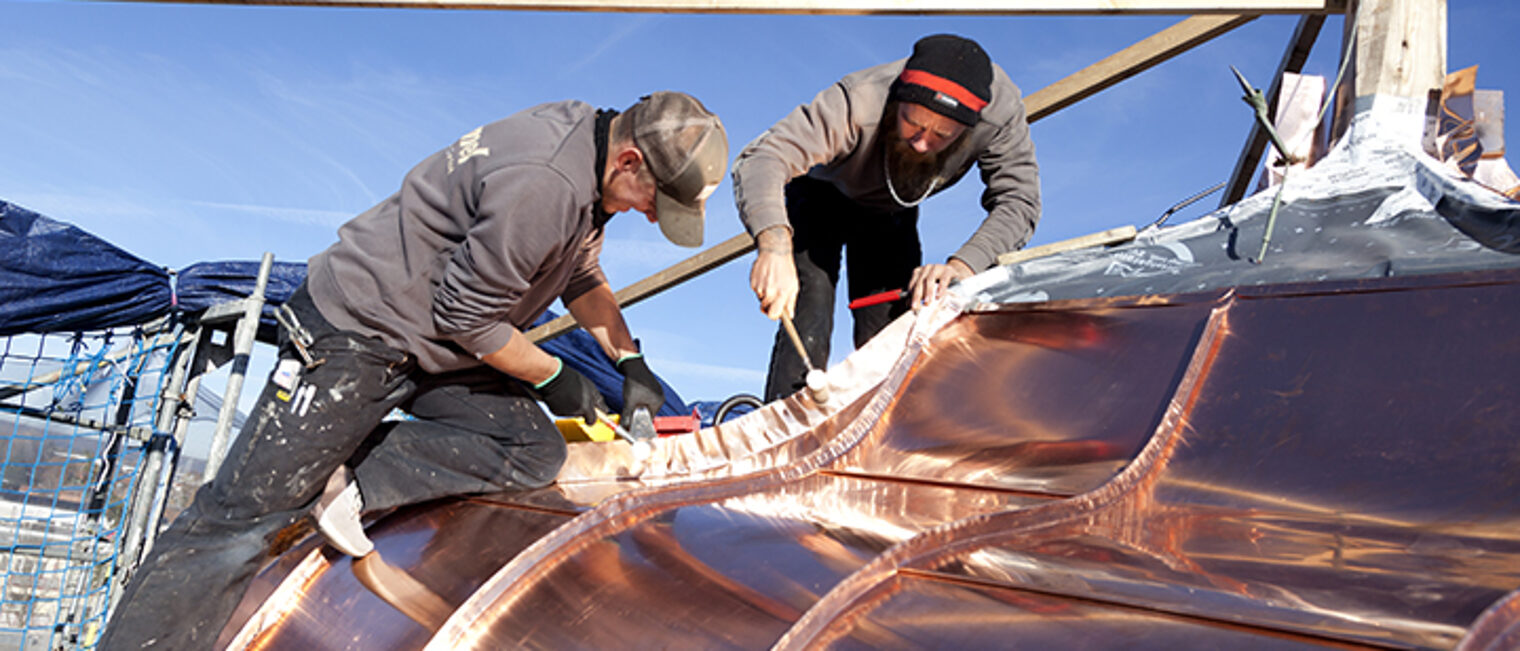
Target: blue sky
column 187, row 133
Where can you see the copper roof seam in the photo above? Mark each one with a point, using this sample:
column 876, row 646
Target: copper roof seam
column 946, row 484
column 1497, row 628
column 622, row 511
column 1215, row 622
column 818, row 626
column 285, row 599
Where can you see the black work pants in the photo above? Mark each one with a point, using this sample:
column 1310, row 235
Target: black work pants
column 880, row 249
column 473, row 431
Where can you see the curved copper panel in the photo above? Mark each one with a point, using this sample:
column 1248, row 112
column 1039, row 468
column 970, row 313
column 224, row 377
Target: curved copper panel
column 734, row 573
column 1300, row 466
column 431, row 558
column 1497, row 629
column 1353, row 480
column 930, row 612
column 1040, row 400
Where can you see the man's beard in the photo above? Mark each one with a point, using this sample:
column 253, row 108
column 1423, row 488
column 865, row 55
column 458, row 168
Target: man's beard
column 911, row 176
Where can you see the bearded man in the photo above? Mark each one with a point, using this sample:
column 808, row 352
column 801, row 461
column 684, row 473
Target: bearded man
column 847, row 172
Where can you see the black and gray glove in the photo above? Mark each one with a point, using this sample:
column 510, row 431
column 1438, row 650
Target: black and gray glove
column 640, row 387
column 569, row 394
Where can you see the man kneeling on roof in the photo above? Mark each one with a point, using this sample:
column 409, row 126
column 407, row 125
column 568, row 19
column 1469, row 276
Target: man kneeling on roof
column 419, row 306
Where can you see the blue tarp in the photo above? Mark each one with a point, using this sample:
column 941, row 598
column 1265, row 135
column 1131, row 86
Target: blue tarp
column 581, row 352
column 55, row 277
column 204, row 284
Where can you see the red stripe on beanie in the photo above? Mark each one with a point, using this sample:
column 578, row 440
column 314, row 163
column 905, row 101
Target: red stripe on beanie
column 942, row 85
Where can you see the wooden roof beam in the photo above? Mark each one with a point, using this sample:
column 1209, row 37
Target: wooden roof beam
column 853, row 7
column 1084, row 83
column 1129, row 62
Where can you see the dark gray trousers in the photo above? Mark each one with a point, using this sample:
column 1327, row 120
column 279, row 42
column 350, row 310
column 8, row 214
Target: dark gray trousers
column 474, row 431
column 880, row 249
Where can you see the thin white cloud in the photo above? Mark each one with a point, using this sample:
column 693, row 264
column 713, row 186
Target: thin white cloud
column 612, row 40
column 333, row 218
column 68, row 205
column 712, row 371
column 626, row 260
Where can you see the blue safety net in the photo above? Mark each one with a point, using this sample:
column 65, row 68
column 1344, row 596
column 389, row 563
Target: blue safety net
column 76, row 415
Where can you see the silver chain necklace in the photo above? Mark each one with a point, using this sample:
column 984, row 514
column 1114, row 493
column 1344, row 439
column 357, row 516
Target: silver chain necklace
column 887, row 173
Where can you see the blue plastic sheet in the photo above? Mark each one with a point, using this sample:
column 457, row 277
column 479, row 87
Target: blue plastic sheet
column 55, row 277
column 204, row 284
column 581, row 352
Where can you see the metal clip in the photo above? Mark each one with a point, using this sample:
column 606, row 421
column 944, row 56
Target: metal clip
column 299, row 336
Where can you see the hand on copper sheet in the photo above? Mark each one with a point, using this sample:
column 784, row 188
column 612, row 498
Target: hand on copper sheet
column 931, row 280
column 774, row 275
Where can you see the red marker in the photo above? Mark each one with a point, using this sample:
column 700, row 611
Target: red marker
column 877, row 299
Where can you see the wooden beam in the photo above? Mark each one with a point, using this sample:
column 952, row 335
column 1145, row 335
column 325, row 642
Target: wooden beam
column 851, row 7
column 1400, row 47
column 1399, row 52
column 1105, row 238
column 1129, row 62
column 674, row 275
column 1293, row 61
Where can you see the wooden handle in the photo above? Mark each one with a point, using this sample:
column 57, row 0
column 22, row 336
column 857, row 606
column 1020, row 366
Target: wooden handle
column 791, row 331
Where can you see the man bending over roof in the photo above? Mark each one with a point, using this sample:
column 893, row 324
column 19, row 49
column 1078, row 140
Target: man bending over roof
column 847, row 172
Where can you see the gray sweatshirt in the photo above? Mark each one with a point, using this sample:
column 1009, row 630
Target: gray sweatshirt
column 836, row 138
column 483, row 235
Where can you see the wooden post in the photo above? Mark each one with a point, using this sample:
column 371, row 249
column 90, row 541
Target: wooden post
column 1399, row 55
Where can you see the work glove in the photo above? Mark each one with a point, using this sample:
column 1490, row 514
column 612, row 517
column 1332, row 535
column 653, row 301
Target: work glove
column 640, row 387
column 569, row 394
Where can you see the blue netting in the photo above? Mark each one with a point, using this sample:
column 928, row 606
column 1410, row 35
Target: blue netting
column 74, row 413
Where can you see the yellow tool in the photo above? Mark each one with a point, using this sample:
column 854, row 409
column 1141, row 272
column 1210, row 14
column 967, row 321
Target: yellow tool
column 576, row 430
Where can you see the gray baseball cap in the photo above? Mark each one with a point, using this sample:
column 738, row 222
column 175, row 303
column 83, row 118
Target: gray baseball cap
column 687, row 151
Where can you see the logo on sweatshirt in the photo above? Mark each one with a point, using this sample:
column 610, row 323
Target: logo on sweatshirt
column 468, row 147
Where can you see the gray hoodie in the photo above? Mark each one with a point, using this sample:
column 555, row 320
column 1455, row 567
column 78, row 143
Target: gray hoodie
column 483, row 235
column 836, row 138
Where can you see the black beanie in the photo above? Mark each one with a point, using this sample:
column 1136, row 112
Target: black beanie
column 949, row 75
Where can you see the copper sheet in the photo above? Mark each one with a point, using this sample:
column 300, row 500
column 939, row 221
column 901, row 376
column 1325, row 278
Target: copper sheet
column 931, row 612
column 449, row 548
column 1354, row 480
column 1328, row 465
column 782, row 432
column 734, row 573
column 1040, row 400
